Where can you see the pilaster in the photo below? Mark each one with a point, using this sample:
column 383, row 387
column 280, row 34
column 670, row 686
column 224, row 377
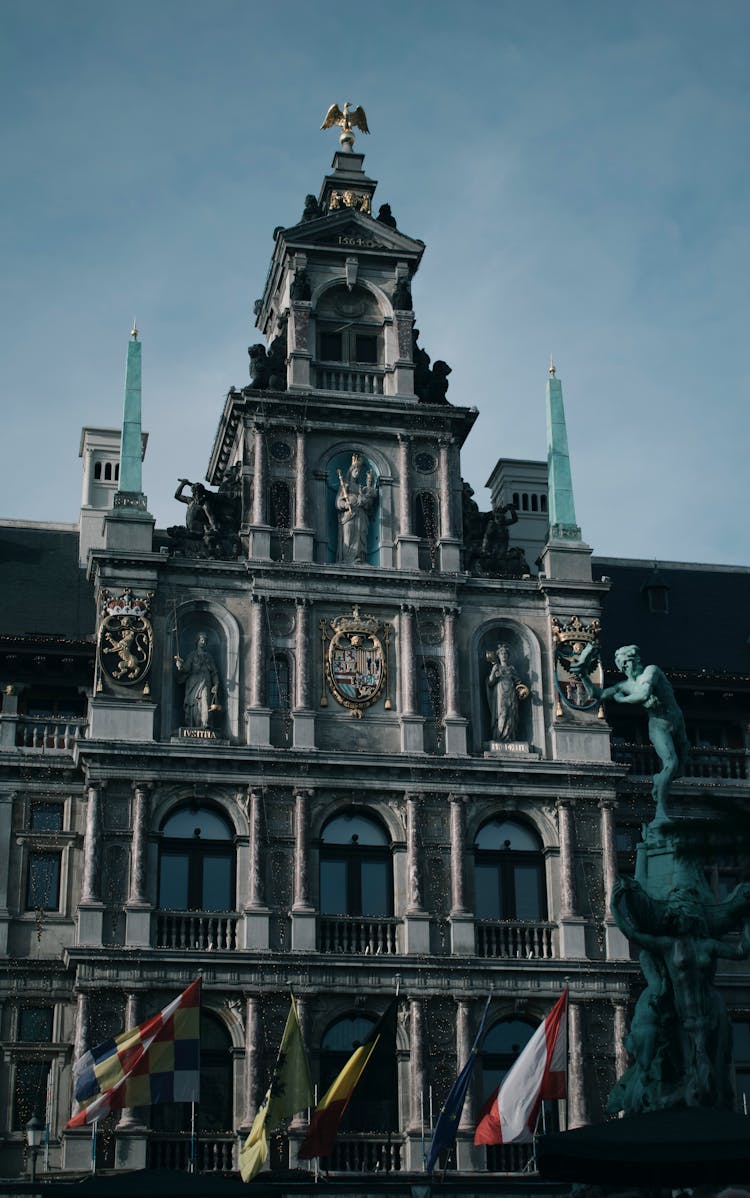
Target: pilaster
column 303, row 535
column 303, row 913
column 259, row 540
column 138, row 908
column 617, row 944
column 90, row 907
column 257, row 914
column 572, row 926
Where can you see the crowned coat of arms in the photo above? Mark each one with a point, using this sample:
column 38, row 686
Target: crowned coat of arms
column 125, row 639
column 576, row 644
column 355, row 659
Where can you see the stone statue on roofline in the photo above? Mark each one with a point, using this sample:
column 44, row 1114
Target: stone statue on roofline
column 212, row 519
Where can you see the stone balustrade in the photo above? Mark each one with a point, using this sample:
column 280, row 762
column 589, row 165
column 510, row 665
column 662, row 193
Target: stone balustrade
column 342, row 934
column 520, row 940
column 197, row 931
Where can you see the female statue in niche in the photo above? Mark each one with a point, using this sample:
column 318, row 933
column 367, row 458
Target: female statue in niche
column 201, row 679
column 504, row 690
column 354, row 504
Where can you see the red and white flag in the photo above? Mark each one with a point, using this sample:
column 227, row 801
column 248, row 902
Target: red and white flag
column 511, row 1112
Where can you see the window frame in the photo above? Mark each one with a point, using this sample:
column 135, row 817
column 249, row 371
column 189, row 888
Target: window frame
column 353, row 856
column 506, row 861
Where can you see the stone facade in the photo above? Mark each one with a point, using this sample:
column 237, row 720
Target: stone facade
column 351, row 696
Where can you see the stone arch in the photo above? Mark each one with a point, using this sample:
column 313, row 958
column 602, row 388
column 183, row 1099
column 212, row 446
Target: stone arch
column 338, row 457
column 168, row 799
column 325, row 286
column 223, row 632
column 526, row 656
column 525, row 810
column 382, row 812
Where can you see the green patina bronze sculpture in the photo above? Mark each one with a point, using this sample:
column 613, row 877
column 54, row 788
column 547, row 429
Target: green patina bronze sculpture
column 680, row 1033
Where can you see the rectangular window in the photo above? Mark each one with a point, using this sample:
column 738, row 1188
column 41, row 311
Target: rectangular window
column 46, row 817
column 333, row 898
column 374, row 888
column 486, row 887
column 217, row 877
column 30, row 1092
column 35, row 1025
column 366, row 349
column 527, row 886
column 43, row 882
column 331, row 347
column 173, row 881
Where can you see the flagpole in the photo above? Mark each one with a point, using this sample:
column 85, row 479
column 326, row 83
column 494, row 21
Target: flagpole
column 93, row 1145
column 421, row 1121
column 567, row 1055
column 191, row 1163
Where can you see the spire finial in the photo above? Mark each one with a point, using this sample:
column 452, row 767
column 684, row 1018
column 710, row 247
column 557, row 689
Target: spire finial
column 134, row 330
column 348, row 118
column 552, row 369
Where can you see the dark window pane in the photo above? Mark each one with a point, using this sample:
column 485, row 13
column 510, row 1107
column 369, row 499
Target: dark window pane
column 330, row 347
column 35, row 1024
column 217, row 884
column 347, row 1034
column 375, row 888
column 366, row 349
column 280, row 505
column 495, row 833
column 333, row 888
column 43, row 882
column 426, row 513
column 487, row 898
column 526, row 879
column 430, row 698
column 173, row 881
column 46, row 817
column 30, row 1094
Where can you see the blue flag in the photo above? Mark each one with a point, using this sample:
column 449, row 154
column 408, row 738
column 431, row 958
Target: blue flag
column 450, row 1112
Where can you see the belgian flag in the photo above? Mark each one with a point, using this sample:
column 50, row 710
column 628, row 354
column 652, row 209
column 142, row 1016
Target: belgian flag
column 324, row 1124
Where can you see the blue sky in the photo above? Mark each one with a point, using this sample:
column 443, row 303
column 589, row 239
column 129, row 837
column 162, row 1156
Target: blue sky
column 579, row 171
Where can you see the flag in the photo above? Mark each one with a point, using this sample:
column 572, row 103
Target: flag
column 450, row 1112
column 321, row 1134
column 290, row 1090
column 511, row 1112
column 158, row 1061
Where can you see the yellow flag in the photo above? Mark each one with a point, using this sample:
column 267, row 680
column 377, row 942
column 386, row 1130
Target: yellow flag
column 290, row 1091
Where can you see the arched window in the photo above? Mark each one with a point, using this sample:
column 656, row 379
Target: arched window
column 509, row 872
column 97, row 470
column 502, row 1045
column 350, row 327
column 542, row 503
column 117, row 471
column 525, row 501
column 355, row 867
column 535, row 503
column 278, row 682
column 108, row 470
column 374, row 1105
column 196, row 861
column 515, row 499
column 214, row 1113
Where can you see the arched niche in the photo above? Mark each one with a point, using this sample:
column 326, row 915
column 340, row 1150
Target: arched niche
column 340, row 458
column 526, row 659
column 222, row 632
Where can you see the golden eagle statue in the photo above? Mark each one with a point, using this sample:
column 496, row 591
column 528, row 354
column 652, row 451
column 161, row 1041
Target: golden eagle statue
column 348, row 119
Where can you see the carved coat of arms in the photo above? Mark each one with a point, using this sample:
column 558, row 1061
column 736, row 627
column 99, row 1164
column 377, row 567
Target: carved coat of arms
column 575, row 642
column 125, row 639
column 355, row 659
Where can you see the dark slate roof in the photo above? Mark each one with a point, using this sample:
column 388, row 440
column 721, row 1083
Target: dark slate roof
column 42, row 588
column 706, row 627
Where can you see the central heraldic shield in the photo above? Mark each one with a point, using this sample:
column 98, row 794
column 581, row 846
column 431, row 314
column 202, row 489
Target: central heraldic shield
column 355, row 653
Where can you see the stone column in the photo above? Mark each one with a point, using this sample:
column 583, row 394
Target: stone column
column 416, row 919
column 82, row 1032
column 455, row 724
column 300, row 1120
column 137, row 892
column 92, row 846
column 303, row 914
column 450, row 546
column 577, row 1105
column 464, row 1041
column 256, row 894
column 617, row 944
column 572, row 926
column 303, row 715
column 412, row 724
column 6, row 840
column 138, row 908
column 90, row 907
column 304, row 537
column 252, row 1057
column 408, row 544
column 461, row 920
column 130, row 1114
column 417, row 1097
column 620, row 1031
column 258, row 715
column 260, row 532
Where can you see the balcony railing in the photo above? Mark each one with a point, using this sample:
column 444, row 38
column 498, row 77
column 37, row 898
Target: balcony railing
column 524, row 941
column 359, row 382
column 48, row 735
column 196, row 931
column 213, row 1154
column 712, row 762
column 365, row 1154
column 511, row 1158
column 358, row 936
